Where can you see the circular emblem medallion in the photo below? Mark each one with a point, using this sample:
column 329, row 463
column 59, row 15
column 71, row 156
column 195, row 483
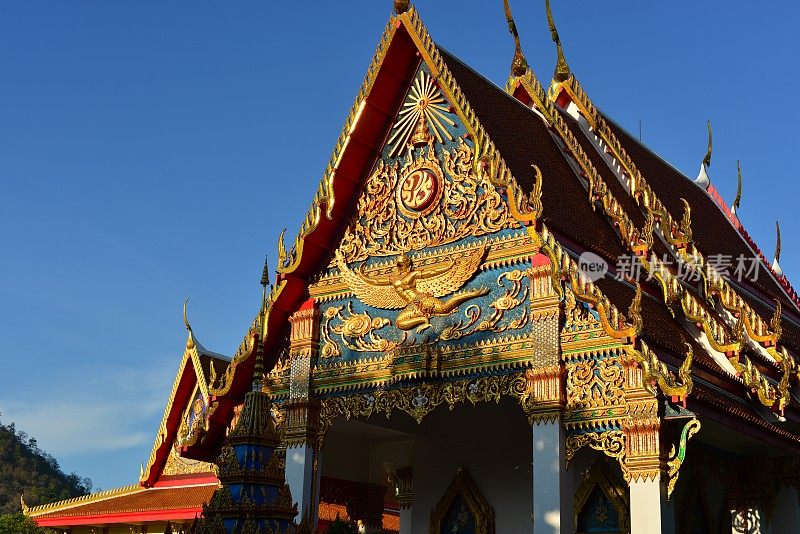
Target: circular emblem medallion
column 418, row 191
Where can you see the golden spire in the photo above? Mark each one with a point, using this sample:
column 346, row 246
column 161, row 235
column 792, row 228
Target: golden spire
column 401, row 6
column 519, row 65
column 264, row 284
column 190, row 339
column 707, row 159
column 775, row 266
column 562, row 69
column 738, row 200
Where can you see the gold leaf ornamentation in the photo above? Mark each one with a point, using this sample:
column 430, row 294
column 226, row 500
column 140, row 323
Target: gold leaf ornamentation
column 610, row 442
column 468, row 205
column 356, row 331
column 416, row 289
column 420, row 400
column 595, row 384
column 677, row 455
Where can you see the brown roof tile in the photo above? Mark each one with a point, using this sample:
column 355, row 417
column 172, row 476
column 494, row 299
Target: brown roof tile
column 144, row 500
column 523, row 139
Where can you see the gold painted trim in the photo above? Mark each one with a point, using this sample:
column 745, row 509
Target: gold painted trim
column 464, row 485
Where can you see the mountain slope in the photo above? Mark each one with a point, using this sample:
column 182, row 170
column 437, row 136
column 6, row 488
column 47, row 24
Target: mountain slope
column 27, row 470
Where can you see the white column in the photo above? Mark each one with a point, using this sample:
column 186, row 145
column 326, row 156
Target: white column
column 645, row 506
column 300, row 477
column 651, row 511
column 553, row 492
column 405, row 520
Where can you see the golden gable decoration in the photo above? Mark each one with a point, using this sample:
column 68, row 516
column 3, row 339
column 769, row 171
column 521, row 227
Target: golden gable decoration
column 433, row 195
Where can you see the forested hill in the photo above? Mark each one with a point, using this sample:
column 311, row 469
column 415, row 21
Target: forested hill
column 27, row 470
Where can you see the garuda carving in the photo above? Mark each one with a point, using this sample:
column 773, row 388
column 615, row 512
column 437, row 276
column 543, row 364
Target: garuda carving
column 417, row 291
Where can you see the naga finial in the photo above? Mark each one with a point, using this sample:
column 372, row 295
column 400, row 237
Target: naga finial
column 635, row 310
column 401, row 6
column 190, row 340
column 775, row 321
column 281, row 251
column 707, row 159
column 702, row 177
column 775, row 266
column 561, row 72
column 686, row 221
column 738, row 200
column 519, row 66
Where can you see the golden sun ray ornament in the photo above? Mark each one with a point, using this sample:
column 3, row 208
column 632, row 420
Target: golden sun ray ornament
column 424, row 110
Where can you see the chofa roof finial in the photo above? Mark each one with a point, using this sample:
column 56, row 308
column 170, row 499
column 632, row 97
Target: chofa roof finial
column 401, row 6
column 738, row 200
column 561, row 72
column 519, row 65
column 190, row 340
column 775, row 265
column 702, row 177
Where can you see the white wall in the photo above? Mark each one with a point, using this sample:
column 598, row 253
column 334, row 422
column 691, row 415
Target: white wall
column 494, row 443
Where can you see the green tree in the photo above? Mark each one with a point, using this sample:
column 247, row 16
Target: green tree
column 20, row 524
column 27, row 470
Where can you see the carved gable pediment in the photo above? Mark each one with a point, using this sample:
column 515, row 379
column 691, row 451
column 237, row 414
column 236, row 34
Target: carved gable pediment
column 432, row 272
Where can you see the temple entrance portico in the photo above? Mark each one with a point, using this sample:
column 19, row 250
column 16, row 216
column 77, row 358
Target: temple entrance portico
column 491, row 442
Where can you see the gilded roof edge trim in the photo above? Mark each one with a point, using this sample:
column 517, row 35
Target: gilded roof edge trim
column 715, row 330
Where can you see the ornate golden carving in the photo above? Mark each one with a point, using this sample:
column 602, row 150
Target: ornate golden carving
column 513, row 297
column 357, row 331
column 595, row 384
column 424, row 106
column 416, row 289
column 480, row 509
column 609, row 442
column 419, row 401
column 468, row 205
column 655, row 372
column 676, row 456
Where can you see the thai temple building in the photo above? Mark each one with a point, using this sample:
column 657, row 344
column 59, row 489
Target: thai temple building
column 502, row 314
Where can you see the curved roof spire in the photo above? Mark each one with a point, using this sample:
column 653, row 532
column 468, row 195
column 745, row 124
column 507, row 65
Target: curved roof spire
column 775, row 266
column 190, row 339
column 707, row 158
column 702, row 177
column 519, row 65
column 561, row 72
column 738, row 200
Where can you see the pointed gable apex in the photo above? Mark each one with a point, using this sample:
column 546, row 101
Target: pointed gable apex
column 186, row 406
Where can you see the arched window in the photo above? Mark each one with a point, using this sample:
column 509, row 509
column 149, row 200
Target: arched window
column 462, row 509
column 601, row 502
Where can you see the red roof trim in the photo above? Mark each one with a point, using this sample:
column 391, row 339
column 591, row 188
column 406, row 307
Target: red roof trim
column 122, row 517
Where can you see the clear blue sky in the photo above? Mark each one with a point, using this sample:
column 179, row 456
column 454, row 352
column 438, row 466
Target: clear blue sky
column 151, row 151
